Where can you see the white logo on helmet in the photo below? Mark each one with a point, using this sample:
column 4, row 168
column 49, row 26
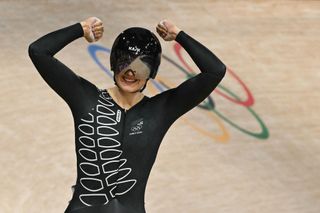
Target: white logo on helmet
column 135, row 49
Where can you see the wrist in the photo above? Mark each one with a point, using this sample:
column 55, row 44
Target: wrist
column 85, row 27
column 83, row 24
column 176, row 32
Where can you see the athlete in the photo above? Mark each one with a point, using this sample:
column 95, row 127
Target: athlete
column 118, row 130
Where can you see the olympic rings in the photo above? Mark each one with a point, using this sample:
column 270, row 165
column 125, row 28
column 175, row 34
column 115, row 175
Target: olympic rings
column 208, row 104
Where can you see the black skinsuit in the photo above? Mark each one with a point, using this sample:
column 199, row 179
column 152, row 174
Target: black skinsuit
column 116, row 148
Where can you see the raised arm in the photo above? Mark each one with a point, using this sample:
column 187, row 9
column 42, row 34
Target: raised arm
column 193, row 91
column 71, row 87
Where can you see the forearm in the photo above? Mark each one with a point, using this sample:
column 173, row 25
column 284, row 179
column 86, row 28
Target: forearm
column 206, row 61
column 53, row 42
column 194, row 90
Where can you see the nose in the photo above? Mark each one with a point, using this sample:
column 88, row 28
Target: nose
column 130, row 73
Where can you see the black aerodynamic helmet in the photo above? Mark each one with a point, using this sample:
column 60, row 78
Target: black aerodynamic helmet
column 136, row 42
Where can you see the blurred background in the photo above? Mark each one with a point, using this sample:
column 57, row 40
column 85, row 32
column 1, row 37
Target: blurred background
column 252, row 146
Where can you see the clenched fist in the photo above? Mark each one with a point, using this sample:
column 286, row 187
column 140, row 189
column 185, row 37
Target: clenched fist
column 167, row 30
column 92, row 29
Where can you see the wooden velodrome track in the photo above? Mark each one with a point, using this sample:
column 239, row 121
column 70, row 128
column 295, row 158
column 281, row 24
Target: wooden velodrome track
column 256, row 150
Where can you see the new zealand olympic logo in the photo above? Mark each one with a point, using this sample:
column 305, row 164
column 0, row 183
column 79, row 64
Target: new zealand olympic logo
column 136, row 127
column 210, row 110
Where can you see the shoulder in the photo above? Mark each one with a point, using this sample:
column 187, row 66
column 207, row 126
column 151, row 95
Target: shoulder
column 88, row 88
column 162, row 97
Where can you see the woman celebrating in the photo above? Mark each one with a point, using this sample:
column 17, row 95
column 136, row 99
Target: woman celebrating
column 118, row 130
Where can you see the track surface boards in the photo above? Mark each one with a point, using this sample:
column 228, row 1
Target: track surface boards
column 211, row 162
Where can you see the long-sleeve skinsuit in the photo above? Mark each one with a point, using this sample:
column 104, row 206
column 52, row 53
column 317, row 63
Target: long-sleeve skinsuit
column 116, row 148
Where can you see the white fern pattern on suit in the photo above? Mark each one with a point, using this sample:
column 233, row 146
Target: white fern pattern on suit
column 101, row 163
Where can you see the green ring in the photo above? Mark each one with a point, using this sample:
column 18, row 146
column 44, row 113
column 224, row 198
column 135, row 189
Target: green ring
column 264, row 134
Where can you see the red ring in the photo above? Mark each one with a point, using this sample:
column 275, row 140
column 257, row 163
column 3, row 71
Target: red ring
column 249, row 100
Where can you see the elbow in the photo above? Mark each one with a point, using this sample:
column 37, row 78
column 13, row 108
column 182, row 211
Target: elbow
column 222, row 71
column 35, row 49
column 217, row 73
column 32, row 50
